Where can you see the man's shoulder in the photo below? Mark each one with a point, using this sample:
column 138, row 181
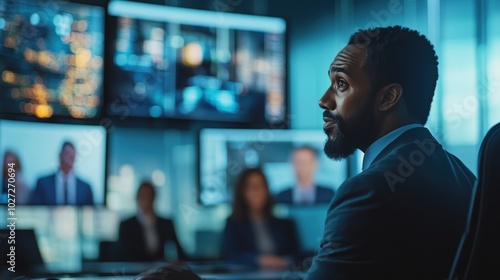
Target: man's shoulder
column 287, row 190
column 129, row 220
column 45, row 177
column 422, row 156
column 164, row 221
column 367, row 183
column 80, row 181
column 324, row 189
column 284, row 196
column 415, row 145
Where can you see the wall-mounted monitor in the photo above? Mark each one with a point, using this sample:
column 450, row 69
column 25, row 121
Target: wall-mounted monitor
column 51, row 58
column 293, row 161
column 52, row 164
column 176, row 63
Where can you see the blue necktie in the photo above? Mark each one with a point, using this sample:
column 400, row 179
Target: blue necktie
column 65, row 186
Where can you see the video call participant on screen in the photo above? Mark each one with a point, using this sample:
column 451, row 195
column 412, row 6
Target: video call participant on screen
column 20, row 191
column 403, row 216
column 63, row 187
column 143, row 237
column 305, row 190
column 253, row 235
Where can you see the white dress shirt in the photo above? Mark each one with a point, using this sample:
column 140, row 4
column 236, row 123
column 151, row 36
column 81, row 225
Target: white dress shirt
column 304, row 194
column 151, row 238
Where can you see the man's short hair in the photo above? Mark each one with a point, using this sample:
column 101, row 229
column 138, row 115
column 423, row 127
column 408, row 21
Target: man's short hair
column 67, row 143
column 403, row 56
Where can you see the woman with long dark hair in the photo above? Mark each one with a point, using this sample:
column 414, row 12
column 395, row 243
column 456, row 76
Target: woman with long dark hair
column 253, row 235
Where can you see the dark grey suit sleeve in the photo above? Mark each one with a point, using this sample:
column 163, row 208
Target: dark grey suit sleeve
column 355, row 244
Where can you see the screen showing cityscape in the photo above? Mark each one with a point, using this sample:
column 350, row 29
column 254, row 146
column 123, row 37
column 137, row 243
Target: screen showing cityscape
column 180, row 63
column 51, row 58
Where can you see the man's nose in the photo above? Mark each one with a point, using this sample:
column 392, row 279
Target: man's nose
column 327, row 102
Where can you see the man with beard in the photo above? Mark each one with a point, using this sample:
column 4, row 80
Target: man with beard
column 403, row 216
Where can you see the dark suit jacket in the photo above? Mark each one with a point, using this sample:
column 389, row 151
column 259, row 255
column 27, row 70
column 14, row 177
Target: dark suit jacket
column 45, row 192
column 323, row 195
column 133, row 246
column 402, row 218
column 239, row 246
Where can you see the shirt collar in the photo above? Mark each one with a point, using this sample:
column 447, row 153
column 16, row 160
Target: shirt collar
column 61, row 175
column 303, row 194
column 146, row 220
column 376, row 147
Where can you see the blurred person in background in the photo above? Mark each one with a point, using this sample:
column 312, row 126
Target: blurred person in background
column 253, row 235
column 20, row 191
column 305, row 191
column 63, row 187
column 144, row 236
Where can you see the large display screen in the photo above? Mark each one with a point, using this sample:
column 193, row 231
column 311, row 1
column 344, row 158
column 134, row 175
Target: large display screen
column 293, row 161
column 52, row 164
column 51, row 58
column 178, row 63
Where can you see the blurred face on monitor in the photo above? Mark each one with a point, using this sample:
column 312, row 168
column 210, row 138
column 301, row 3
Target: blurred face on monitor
column 304, row 165
column 348, row 103
column 145, row 199
column 10, row 158
column 256, row 193
column 67, row 158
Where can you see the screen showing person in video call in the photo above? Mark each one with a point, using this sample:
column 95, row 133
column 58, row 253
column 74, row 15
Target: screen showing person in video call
column 55, row 164
column 297, row 171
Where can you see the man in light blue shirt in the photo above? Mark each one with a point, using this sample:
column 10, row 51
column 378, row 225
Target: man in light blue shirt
column 305, row 191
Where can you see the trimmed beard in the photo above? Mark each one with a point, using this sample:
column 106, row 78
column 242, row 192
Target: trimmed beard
column 349, row 134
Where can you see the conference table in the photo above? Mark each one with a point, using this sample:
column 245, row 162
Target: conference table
column 206, row 270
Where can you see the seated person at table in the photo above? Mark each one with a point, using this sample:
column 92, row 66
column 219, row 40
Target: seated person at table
column 168, row 272
column 15, row 188
column 143, row 237
column 253, row 236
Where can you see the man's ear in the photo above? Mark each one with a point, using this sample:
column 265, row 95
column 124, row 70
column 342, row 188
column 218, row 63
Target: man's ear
column 389, row 96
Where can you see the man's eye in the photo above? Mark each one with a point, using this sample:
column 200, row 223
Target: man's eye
column 341, row 84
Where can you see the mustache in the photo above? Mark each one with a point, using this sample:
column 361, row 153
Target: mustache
column 329, row 115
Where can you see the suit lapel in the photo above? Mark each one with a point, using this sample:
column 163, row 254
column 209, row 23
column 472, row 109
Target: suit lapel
column 78, row 190
column 51, row 195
